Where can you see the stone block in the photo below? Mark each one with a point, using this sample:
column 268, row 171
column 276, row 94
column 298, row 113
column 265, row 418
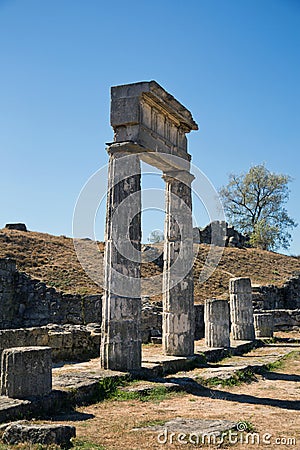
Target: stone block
column 264, row 325
column 45, row 434
column 240, row 285
column 16, row 226
column 26, row 372
column 146, row 114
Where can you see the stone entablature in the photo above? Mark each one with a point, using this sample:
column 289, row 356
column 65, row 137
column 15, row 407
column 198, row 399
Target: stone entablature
column 144, row 113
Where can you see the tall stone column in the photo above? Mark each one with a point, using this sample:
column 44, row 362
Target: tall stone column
column 241, row 309
column 216, row 319
column 121, row 311
column 178, row 298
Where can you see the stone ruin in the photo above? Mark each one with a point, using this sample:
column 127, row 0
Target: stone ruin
column 16, row 226
column 149, row 125
column 221, row 234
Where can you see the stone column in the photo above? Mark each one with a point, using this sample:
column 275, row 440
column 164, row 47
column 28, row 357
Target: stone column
column 241, row 309
column 178, row 298
column 216, row 319
column 121, row 309
column 264, row 325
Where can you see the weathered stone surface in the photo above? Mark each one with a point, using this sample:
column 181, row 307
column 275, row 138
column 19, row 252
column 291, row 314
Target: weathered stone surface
column 285, row 319
column 216, row 319
column 121, row 334
column 26, row 372
column 16, row 226
column 263, row 325
column 240, row 285
column 45, row 434
column 67, row 342
column 8, row 306
column 146, row 114
column 26, row 302
column 148, row 124
column 178, row 288
column 241, row 309
column 191, row 431
column 221, row 234
column 272, row 297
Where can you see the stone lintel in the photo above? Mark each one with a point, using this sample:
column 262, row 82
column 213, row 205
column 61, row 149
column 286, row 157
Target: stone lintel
column 165, row 162
column 183, row 176
column 130, row 95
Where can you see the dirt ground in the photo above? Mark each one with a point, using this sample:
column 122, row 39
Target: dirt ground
column 271, row 405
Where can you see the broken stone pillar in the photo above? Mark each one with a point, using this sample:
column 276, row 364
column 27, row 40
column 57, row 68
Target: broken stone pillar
column 241, row 309
column 264, row 325
column 217, row 324
column 26, row 372
column 178, row 298
column 121, row 310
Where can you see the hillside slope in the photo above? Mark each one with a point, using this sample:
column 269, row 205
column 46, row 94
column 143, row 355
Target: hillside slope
column 53, row 260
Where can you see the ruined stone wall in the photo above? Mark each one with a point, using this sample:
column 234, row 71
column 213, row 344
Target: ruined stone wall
column 221, row 234
column 26, row 302
column 68, row 342
column 285, row 319
column 272, row 297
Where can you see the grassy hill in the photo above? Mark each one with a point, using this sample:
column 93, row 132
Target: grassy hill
column 53, row 260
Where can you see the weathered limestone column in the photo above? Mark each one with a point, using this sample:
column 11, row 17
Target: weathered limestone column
column 121, row 310
column 264, row 325
column 217, row 327
column 178, row 298
column 241, row 309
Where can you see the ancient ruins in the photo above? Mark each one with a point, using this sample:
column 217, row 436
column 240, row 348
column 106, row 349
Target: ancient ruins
column 40, row 325
column 149, row 124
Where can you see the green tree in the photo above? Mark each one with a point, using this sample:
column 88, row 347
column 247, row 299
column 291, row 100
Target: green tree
column 156, row 236
column 255, row 202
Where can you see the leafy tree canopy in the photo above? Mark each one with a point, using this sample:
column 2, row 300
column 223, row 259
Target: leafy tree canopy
column 255, row 204
column 156, row 236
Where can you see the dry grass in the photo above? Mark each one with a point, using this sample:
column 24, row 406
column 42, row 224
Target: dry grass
column 53, row 260
column 271, row 405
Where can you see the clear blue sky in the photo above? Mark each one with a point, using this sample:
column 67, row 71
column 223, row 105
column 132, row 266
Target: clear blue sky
column 235, row 64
